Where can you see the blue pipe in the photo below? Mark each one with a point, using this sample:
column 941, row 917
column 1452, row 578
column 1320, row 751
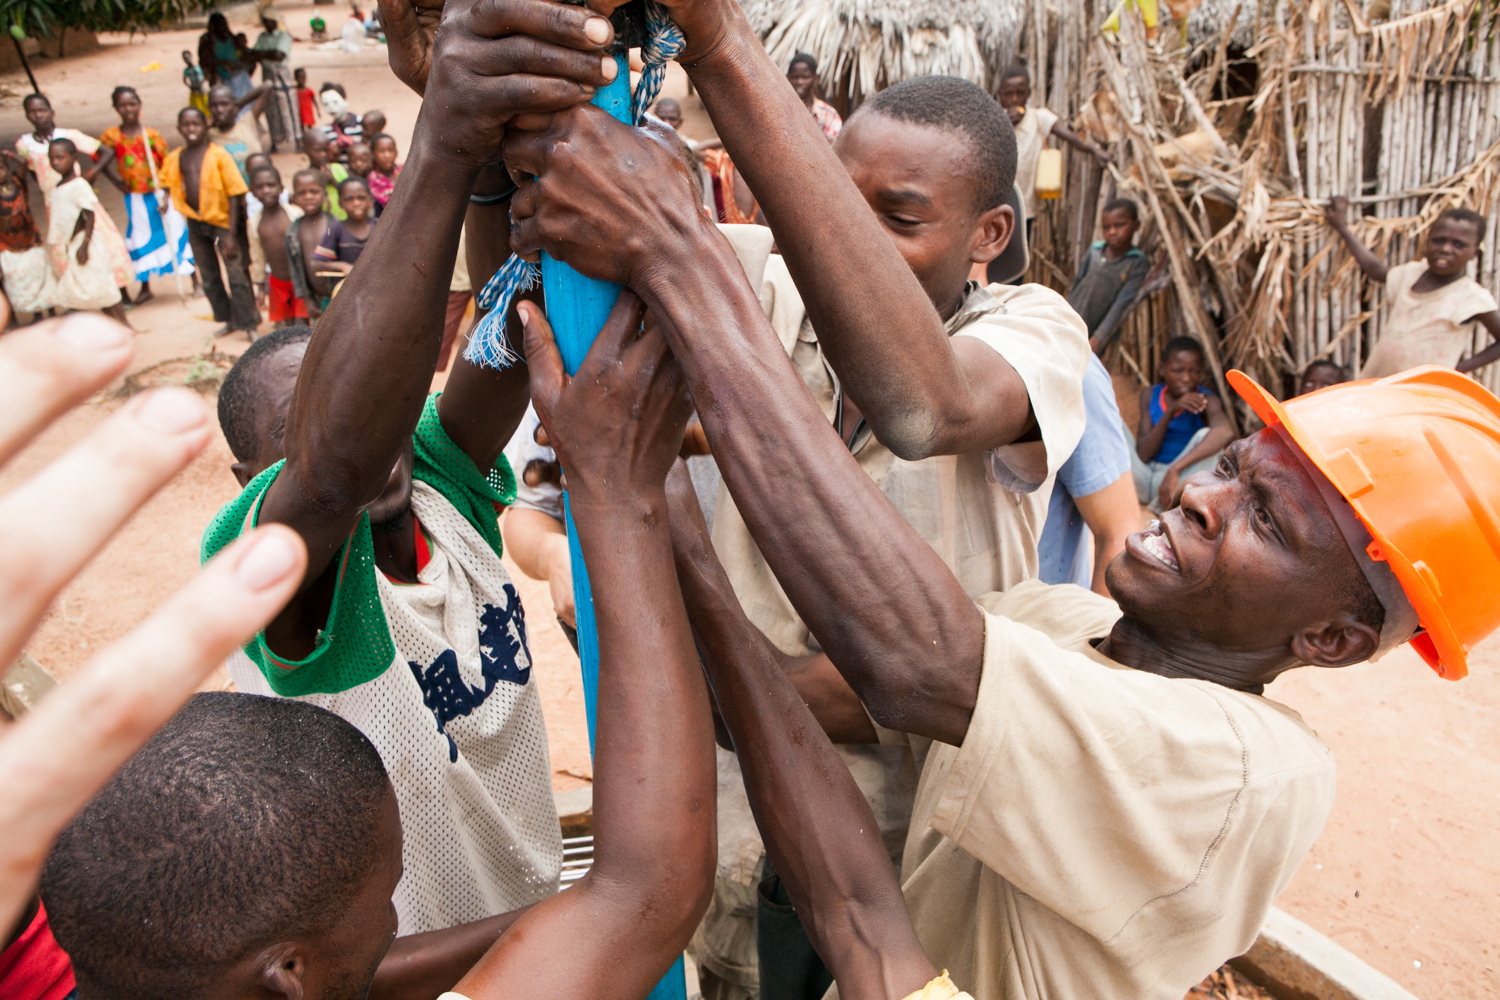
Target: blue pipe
column 577, row 308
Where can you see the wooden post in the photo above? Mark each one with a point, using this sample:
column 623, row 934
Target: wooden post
column 26, row 65
column 577, row 308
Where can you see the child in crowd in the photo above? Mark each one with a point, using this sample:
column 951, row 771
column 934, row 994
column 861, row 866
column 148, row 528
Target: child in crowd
column 802, row 74
column 1111, row 274
column 319, row 150
column 234, row 127
column 361, row 161
column 318, row 27
column 385, row 170
column 307, row 101
column 371, row 124
column 1434, row 304
column 209, row 191
column 346, row 126
column 1182, row 427
column 1320, row 375
column 197, row 85
column 75, row 240
column 303, row 237
column 157, row 238
column 28, row 276
column 345, row 238
column 270, row 267
column 1033, row 126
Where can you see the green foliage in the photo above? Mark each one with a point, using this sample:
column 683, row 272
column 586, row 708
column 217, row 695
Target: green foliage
column 48, row 17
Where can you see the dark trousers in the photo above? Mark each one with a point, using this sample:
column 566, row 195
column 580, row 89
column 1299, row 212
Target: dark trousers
column 236, row 306
column 790, row 968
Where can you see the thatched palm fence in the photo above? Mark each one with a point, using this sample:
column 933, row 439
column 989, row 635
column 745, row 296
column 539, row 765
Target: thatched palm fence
column 1231, row 131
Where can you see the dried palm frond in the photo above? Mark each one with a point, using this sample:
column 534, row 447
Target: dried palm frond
column 1427, row 43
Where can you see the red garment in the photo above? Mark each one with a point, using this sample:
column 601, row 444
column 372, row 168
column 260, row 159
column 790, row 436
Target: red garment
column 282, row 299
column 35, row 967
column 305, row 103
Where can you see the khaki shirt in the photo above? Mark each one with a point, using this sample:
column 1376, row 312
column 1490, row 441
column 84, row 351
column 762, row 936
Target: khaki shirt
column 983, row 513
column 1031, row 138
column 1426, row 328
column 1102, row 831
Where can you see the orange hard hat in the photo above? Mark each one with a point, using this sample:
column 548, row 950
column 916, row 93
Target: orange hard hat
column 1417, row 455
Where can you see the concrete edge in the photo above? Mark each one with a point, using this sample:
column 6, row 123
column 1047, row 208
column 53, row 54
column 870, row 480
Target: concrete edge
column 1295, row 962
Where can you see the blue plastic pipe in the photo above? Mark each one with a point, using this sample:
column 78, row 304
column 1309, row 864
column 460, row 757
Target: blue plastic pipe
column 577, row 308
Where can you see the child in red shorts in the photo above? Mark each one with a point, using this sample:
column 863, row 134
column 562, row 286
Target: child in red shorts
column 268, row 254
column 307, row 101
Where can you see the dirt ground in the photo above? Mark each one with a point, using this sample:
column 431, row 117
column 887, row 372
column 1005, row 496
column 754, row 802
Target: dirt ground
column 1404, row 875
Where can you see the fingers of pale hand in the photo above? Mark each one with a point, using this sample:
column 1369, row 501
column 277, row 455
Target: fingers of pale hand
column 562, row 24
column 54, row 523
column 61, row 753
column 51, row 367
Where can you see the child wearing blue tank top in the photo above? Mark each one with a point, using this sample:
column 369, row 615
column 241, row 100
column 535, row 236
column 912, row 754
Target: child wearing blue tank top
column 1182, row 428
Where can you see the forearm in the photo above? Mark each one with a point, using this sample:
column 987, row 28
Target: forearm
column 1212, row 443
column 1149, row 443
column 532, row 540
column 1372, row 265
column 1487, row 356
column 1075, row 140
column 424, row 966
column 817, row 826
column 1112, row 515
column 883, row 606
column 365, row 377
column 236, row 209
column 875, row 320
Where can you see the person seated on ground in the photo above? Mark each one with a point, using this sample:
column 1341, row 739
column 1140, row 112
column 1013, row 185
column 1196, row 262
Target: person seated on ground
column 303, row 237
column 1434, row 304
column 383, row 170
column 1111, row 274
column 1108, row 804
column 1320, row 375
column 232, row 122
column 271, row 267
column 1182, row 426
column 318, row 27
column 1094, row 495
column 961, row 401
column 59, row 754
column 371, row 124
column 345, row 239
column 318, row 149
column 1033, row 126
column 407, row 623
column 802, row 74
column 161, row 885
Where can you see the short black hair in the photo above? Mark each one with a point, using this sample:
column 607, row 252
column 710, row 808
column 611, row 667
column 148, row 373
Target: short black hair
column 190, row 110
column 240, row 395
column 67, row 144
column 948, row 102
column 386, row 135
column 806, row 59
column 353, row 179
column 26, row 101
column 245, row 821
column 329, row 85
column 265, row 168
column 1327, row 363
column 316, row 175
column 114, row 97
column 1125, row 205
column 1015, row 71
column 1467, row 215
column 1177, row 345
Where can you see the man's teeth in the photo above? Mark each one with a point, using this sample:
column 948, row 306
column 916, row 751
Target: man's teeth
column 1158, row 546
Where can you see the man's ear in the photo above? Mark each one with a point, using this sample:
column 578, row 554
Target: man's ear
column 242, row 473
column 992, row 233
column 279, row 969
column 1336, row 643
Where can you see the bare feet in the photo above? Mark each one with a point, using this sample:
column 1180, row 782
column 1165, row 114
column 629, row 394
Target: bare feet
column 144, row 295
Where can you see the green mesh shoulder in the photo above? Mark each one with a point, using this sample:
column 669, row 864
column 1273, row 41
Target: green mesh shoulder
column 445, row 467
column 355, row 646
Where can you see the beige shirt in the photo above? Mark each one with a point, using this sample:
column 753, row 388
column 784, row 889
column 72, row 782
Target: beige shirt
column 1031, row 137
column 1102, row 831
column 1426, row 328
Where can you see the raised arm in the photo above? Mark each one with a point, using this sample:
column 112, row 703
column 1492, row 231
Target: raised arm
column 1081, row 144
column 921, row 393
column 256, row 99
column 625, row 923
column 1373, row 266
column 817, row 826
column 1491, row 322
column 366, row 373
column 883, row 606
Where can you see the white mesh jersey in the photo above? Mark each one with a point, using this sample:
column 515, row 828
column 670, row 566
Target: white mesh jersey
column 438, row 675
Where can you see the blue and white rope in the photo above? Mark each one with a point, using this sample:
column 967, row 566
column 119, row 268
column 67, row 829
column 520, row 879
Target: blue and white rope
column 488, row 344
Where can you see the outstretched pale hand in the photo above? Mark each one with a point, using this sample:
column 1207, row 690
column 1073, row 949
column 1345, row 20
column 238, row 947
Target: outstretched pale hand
column 51, row 526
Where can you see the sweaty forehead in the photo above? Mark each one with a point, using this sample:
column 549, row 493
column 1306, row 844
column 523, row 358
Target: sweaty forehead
column 884, row 154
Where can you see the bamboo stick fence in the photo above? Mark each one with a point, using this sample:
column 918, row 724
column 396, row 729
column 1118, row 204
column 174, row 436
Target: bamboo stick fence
column 1401, row 116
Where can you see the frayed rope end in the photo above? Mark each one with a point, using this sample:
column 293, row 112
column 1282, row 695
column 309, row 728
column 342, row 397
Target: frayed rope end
column 489, row 347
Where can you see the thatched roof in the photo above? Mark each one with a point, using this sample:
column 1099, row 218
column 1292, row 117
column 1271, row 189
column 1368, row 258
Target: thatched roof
column 863, row 46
